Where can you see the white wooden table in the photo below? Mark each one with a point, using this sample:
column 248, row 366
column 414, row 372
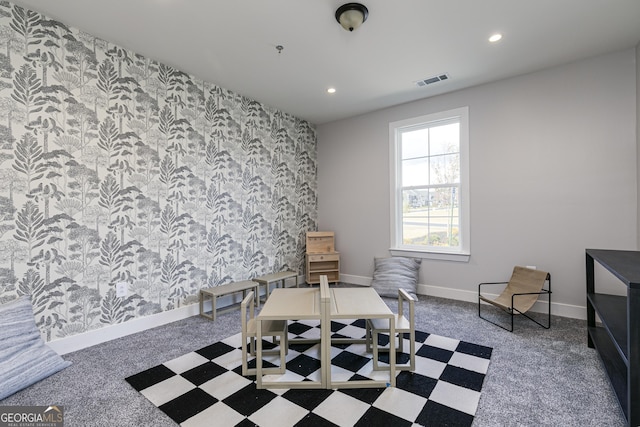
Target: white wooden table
column 324, row 304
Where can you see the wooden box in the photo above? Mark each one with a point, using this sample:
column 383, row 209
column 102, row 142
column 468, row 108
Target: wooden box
column 320, row 242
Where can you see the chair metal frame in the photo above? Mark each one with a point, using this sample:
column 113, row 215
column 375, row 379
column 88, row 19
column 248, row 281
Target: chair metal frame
column 512, row 311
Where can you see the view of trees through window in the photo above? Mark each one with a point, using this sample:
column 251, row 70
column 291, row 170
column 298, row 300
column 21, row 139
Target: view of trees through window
column 430, row 174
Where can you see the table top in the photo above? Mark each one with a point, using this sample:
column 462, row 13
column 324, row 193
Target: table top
column 625, row 265
column 304, row 303
column 291, row 303
column 357, row 303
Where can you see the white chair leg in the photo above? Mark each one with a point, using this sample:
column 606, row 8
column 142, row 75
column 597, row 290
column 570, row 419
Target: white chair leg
column 367, row 336
column 410, row 366
column 285, row 339
column 412, row 351
column 374, row 344
column 244, row 357
column 283, row 352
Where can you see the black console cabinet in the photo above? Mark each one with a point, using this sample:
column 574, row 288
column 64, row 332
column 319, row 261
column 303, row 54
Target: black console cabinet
column 617, row 339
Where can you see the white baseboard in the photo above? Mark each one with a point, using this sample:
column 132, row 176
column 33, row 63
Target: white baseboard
column 139, row 324
column 108, row 333
column 355, row 280
column 557, row 309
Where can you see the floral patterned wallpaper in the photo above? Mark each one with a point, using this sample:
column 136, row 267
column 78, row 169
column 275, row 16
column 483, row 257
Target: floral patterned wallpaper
column 116, row 168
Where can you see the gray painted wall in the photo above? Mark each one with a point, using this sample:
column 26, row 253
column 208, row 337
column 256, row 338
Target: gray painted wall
column 638, row 130
column 553, row 171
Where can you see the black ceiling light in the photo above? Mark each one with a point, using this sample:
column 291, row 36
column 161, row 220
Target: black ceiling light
column 351, row 15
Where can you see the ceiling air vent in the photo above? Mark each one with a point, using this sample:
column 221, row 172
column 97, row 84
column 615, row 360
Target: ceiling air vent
column 431, row 80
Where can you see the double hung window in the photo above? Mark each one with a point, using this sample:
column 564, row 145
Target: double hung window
column 430, row 186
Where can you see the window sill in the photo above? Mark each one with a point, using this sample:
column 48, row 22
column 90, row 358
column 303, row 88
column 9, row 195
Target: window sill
column 442, row 256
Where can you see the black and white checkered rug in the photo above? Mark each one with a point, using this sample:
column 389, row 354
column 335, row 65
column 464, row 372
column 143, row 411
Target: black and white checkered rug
column 206, row 387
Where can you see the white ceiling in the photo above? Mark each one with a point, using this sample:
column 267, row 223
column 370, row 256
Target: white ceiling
column 232, row 43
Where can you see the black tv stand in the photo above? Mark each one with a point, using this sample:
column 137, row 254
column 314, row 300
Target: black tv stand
column 617, row 339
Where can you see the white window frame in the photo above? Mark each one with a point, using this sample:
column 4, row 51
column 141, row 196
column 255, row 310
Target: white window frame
column 463, row 251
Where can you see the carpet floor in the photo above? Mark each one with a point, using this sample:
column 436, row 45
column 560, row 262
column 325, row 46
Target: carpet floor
column 537, row 377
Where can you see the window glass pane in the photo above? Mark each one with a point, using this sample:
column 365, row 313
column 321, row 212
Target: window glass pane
column 417, row 199
column 426, row 223
column 415, row 143
column 415, row 221
column 443, row 218
column 445, row 169
column 415, row 172
column 446, row 198
column 444, row 139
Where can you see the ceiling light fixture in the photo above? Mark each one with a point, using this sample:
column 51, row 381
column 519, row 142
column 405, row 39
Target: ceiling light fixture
column 331, row 90
column 496, row 37
column 351, row 15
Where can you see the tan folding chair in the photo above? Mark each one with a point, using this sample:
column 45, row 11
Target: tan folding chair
column 404, row 325
column 521, row 293
column 273, row 328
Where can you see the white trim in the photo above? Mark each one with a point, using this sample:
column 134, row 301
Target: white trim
column 139, row 324
column 108, row 333
column 442, row 256
column 557, row 309
column 355, row 280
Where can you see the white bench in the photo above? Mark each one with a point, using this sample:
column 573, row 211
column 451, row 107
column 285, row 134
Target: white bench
column 277, row 278
column 226, row 289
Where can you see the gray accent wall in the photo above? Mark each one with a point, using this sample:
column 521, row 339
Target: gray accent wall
column 115, row 168
column 553, row 170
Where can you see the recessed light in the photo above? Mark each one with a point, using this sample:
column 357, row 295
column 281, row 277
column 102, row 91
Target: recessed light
column 331, row 90
column 496, row 37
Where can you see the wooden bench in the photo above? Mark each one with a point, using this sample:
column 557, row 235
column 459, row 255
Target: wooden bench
column 226, row 289
column 277, row 278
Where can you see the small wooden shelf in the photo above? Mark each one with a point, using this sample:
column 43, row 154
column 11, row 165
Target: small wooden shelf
column 613, row 308
column 322, row 258
column 615, row 367
column 323, row 264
